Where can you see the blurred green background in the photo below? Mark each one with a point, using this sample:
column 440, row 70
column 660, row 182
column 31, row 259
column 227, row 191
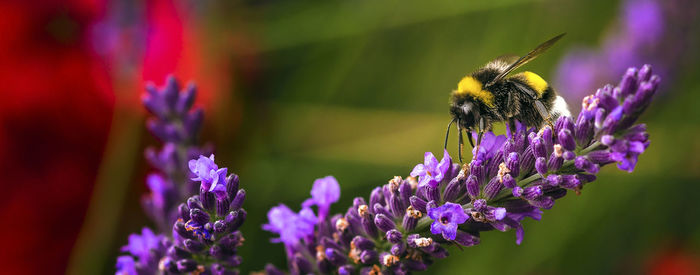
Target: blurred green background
column 359, row 90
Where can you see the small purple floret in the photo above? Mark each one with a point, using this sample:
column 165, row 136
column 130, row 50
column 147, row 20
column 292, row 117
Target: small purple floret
column 446, row 219
column 431, row 173
column 204, row 169
column 290, row 226
column 325, row 192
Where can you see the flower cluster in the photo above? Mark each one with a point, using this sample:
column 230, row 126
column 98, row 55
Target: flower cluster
column 147, row 248
column 644, row 31
column 176, row 124
column 204, row 230
column 296, row 230
column 205, row 236
column 407, row 223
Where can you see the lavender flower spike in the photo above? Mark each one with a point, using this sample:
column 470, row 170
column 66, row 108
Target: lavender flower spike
column 204, row 239
column 147, row 248
column 407, row 224
column 176, row 123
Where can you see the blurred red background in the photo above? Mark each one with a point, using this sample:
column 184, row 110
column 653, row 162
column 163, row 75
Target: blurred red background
column 61, row 63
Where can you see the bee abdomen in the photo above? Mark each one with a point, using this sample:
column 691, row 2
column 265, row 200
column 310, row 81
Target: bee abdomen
column 534, row 81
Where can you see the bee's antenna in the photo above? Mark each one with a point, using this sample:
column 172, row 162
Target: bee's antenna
column 447, row 134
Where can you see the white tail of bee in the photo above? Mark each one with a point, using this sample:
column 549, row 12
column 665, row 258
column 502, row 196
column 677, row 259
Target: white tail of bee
column 560, row 108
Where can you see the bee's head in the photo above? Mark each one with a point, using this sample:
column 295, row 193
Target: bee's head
column 466, row 113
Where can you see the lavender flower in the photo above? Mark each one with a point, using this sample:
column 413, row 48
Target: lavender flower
column 644, row 31
column 431, row 172
column 407, row 223
column 146, row 248
column 177, row 124
column 446, row 218
column 325, row 192
column 205, row 236
column 174, row 122
column 204, row 169
column 290, row 226
column 126, row 265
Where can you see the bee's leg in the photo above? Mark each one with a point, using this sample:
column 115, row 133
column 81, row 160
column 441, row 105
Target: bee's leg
column 460, row 148
column 479, row 136
column 539, row 106
column 470, row 138
column 511, row 128
column 478, row 143
column 447, row 133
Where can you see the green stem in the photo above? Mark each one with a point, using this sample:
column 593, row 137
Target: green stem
column 423, row 224
column 590, row 148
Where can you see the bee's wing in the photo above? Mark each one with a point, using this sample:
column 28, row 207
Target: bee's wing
column 527, row 58
column 507, row 59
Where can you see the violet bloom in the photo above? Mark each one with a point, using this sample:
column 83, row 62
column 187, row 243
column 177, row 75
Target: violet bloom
column 290, row 226
column 431, row 172
column 446, row 218
column 206, row 234
column 205, row 237
column 141, row 245
column 482, row 212
column 169, row 105
column 626, row 150
column 126, row 266
column 325, row 192
column 489, row 142
column 204, row 169
column 158, row 186
column 643, row 20
column 147, row 248
column 176, row 123
column 218, row 184
column 644, row 31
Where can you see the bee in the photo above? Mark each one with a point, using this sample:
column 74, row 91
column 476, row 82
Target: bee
column 490, row 95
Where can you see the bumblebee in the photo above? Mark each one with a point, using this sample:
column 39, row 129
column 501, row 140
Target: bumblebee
column 490, row 95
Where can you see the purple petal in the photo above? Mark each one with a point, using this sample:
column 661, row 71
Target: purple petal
column 325, row 191
column 636, row 147
column 519, row 233
column 443, row 167
column 499, row 213
column 419, row 170
column 436, row 227
column 430, row 161
column 450, row 231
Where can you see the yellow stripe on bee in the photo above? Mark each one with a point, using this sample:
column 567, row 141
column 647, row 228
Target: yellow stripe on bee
column 472, row 87
column 535, row 81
